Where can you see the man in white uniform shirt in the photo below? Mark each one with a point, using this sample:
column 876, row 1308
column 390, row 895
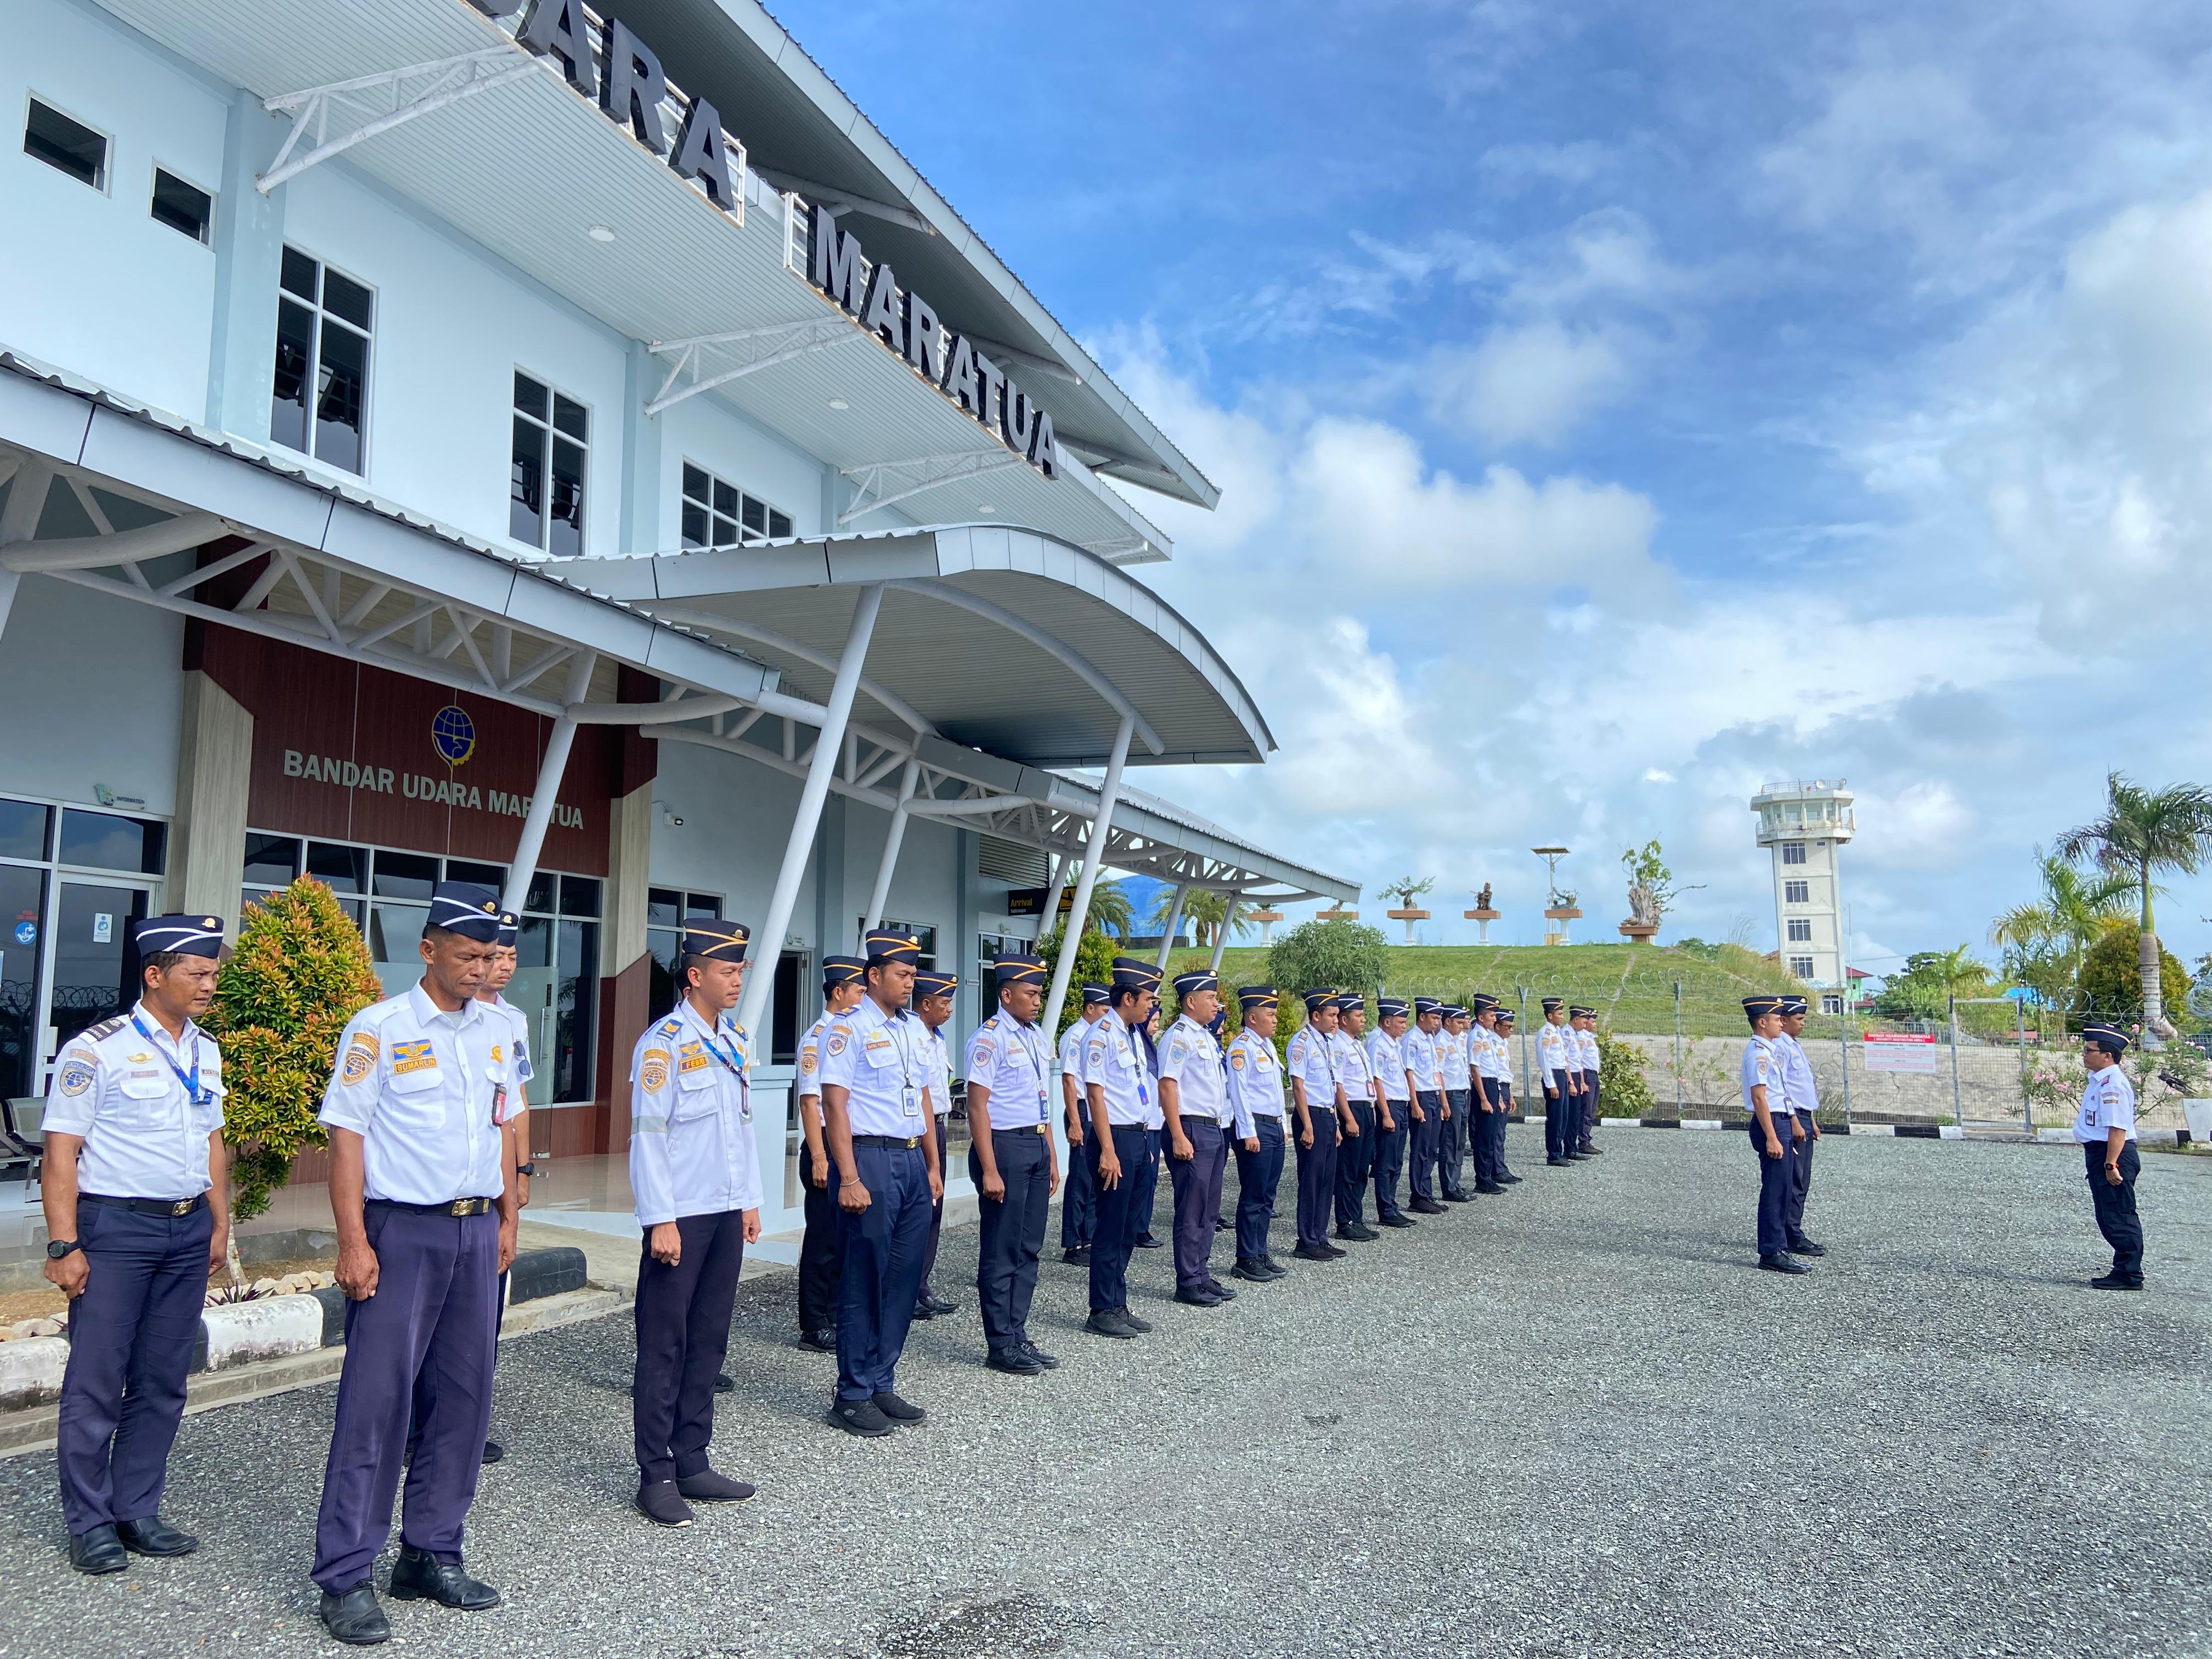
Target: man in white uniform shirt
column 1456, row 1054
column 422, row 1194
column 885, row 1180
column 505, row 957
column 1555, row 1065
column 1492, row 1068
column 1425, row 1060
column 2105, row 1128
column 695, row 1174
column 137, row 1217
column 1583, row 1023
column 1768, row 1109
column 1386, row 1060
column 1318, row 1096
column 933, row 1005
column 1803, row 1095
column 1119, row 1085
column 1256, row 1100
column 1194, row 1098
column 1079, row 1204
column 820, row 1250
column 1355, row 1155
column 1011, row 1160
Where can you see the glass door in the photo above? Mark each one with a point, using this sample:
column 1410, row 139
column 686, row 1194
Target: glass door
column 22, row 949
column 531, row 991
column 94, row 963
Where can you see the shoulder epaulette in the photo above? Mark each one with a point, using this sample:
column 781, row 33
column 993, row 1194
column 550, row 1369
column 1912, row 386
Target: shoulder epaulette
column 106, row 1028
column 671, row 1026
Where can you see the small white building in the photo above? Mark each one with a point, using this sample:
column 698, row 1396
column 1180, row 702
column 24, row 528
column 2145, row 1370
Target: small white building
column 1806, row 824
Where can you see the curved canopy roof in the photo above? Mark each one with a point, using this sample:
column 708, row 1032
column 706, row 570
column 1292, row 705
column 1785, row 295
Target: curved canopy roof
column 996, row 638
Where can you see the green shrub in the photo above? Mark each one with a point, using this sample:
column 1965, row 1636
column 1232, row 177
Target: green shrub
column 1093, row 962
column 2111, row 976
column 1343, row 955
column 1623, row 1087
column 301, row 971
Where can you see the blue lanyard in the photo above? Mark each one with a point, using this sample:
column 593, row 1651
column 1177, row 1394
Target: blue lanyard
column 191, row 1080
column 730, row 1059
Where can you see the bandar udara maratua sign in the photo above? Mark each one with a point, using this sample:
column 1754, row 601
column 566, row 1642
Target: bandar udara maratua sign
column 624, row 77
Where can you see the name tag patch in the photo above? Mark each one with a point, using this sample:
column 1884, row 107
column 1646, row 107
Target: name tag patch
column 413, row 1057
column 690, row 1058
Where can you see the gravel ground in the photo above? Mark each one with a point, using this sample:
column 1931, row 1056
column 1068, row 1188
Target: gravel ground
column 1571, row 1421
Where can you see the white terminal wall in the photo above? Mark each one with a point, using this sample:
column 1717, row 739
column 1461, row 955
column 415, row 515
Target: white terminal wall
column 92, row 687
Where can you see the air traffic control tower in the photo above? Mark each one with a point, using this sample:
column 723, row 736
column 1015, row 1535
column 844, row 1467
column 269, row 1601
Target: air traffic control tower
column 1807, row 823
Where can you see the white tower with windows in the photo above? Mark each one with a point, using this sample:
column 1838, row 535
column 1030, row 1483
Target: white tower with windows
column 1807, row 823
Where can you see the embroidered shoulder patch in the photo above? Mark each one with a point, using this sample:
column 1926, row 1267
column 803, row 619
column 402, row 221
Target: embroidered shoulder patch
column 807, row 1062
column 980, row 1050
column 1237, row 1059
column 836, row 1045
column 360, row 1059
column 76, row 1076
column 653, row 1070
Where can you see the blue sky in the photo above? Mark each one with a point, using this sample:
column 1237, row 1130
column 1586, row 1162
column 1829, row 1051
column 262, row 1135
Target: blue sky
column 1617, row 406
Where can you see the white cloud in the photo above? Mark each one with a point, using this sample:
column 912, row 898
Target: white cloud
column 1530, row 383
column 1513, row 168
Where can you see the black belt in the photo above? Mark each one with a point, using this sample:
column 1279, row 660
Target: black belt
column 453, row 1206
column 894, row 1142
column 161, row 1206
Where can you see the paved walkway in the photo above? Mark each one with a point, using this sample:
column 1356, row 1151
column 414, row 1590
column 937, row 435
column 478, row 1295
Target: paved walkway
column 1569, row 1422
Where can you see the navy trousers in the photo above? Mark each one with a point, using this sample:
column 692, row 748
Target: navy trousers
column 131, row 1335
column 1197, row 1183
column 1258, row 1175
column 1453, row 1144
column 682, row 1314
column 1013, row 1232
column 1427, row 1143
column 882, row 1247
column 1482, row 1132
column 2116, row 1207
column 1800, row 1184
column 1502, row 1093
column 820, row 1256
column 1562, row 1114
column 1589, row 1109
column 1079, row 1198
column 425, row 1340
column 1317, row 1180
column 1148, row 1183
column 1355, row 1161
column 1773, row 1188
column 1115, row 1235
column 1390, row 1158
column 936, row 1214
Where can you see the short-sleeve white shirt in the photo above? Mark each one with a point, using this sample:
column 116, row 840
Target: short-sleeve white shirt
column 1114, row 1059
column 145, row 1135
column 2108, row 1103
column 880, row 1061
column 1008, row 1059
column 426, row 1090
column 1191, row 1056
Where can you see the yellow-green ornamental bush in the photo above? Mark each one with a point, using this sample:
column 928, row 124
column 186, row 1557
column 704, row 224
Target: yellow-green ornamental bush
column 301, row 971
column 1624, row 1087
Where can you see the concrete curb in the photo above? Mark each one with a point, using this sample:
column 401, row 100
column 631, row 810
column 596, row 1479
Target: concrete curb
column 1898, row 1131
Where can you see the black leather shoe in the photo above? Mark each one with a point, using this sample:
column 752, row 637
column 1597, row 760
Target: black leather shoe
column 659, row 1502
column 2107, row 1282
column 1803, row 1246
column 493, row 1451
column 97, row 1550
column 1454, row 1198
column 1777, row 1262
column 1220, row 1289
column 818, row 1341
column 899, row 1411
column 723, row 1384
column 1251, row 1268
column 1107, row 1321
column 1142, row 1327
column 1556, row 1163
column 1045, row 1361
column 353, row 1616
column 1146, row 1242
column 859, row 1417
column 1222, row 1224
column 1486, row 1187
column 1079, row 1254
column 711, row 1486
column 1275, row 1268
column 1335, row 1251
column 1198, row 1297
column 154, row 1536
column 1509, row 1179
column 1399, row 1221
column 418, row 1576
column 1425, row 1206
column 1589, row 1151
column 1013, row 1362
column 942, row 1306
column 1314, row 1253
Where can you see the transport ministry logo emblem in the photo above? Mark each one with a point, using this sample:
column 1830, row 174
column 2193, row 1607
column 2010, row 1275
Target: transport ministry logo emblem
column 453, row 735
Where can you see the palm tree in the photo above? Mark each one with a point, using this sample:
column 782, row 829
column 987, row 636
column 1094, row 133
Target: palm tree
column 1110, row 905
column 1208, row 910
column 2141, row 832
column 2074, row 908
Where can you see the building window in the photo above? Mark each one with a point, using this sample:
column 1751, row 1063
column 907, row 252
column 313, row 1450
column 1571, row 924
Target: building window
column 552, row 442
column 1801, row 930
column 1802, row 966
column 69, row 146
column 1793, row 852
column 718, row 514
column 319, row 404
column 926, row 936
column 386, row 892
column 1832, row 1005
column 989, row 947
column 185, row 208
column 1796, row 892
column 666, row 910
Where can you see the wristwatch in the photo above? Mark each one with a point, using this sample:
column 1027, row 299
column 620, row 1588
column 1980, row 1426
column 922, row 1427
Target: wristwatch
column 530, row 1168
column 58, row 1248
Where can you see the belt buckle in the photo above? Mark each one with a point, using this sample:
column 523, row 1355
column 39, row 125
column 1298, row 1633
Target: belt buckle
column 913, row 1141
column 183, row 1207
column 461, row 1207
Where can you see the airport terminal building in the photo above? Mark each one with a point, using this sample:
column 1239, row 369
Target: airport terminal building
column 495, row 439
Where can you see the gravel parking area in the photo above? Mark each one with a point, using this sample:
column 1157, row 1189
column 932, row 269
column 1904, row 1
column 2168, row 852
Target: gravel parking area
column 1570, row 1421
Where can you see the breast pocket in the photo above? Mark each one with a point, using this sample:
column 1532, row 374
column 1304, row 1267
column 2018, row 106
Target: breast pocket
column 697, row 1097
column 415, row 1099
column 141, row 1102
column 207, row 1117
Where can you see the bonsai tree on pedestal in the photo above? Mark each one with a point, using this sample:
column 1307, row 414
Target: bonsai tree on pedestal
column 1650, row 889
column 1405, row 889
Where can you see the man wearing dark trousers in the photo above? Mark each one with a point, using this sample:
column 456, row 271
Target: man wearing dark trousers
column 1119, row 1087
column 1011, row 1160
column 932, row 1007
column 1768, row 1108
column 1319, row 1104
column 1355, row 1159
column 1803, row 1094
column 137, row 1217
column 423, row 1198
column 879, row 1120
column 1425, row 1062
column 1584, row 1023
column 1487, row 1128
column 695, row 1176
column 1079, row 1204
column 2105, row 1128
column 1563, row 1094
column 1506, row 1018
column 1194, row 1098
column 1386, row 1060
column 819, row 1256
column 1255, row 1098
column 1454, row 1053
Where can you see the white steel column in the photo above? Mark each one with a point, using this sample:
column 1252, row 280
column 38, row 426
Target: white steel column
column 1054, row 888
column 828, row 744
column 880, row 895
column 1094, row 854
column 1175, row 921
column 550, row 773
column 19, row 522
column 1230, row 902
